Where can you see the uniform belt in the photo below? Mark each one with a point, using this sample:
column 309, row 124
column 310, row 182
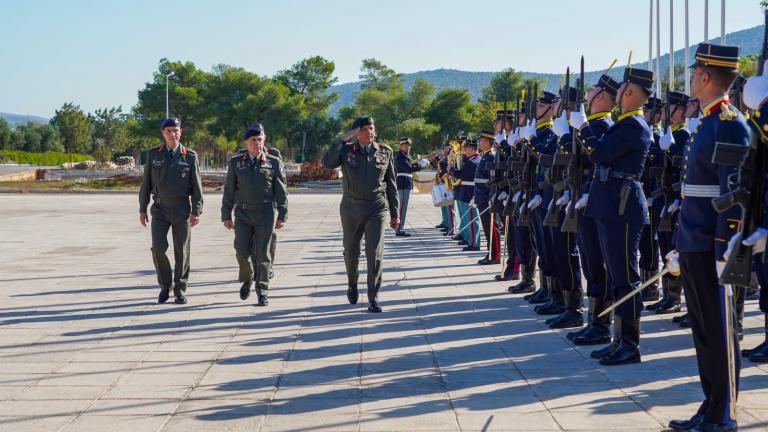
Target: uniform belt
column 254, row 205
column 481, row 180
column 171, row 200
column 700, row 191
column 404, row 175
column 604, row 172
column 467, row 183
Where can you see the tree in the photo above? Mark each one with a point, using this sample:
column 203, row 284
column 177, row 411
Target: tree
column 74, row 126
column 506, row 85
column 425, row 136
column 748, row 65
column 51, row 138
column 449, row 110
column 419, row 98
column 110, row 133
column 5, row 134
column 311, row 78
column 32, row 138
column 374, row 74
column 315, row 132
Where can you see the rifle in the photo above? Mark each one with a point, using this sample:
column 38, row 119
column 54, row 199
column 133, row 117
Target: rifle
column 748, row 193
column 514, row 167
column 666, row 187
column 552, row 217
column 576, row 168
column 529, row 172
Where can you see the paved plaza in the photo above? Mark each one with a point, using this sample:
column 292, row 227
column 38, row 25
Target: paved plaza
column 85, row 347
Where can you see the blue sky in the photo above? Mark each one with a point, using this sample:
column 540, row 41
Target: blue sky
column 100, row 53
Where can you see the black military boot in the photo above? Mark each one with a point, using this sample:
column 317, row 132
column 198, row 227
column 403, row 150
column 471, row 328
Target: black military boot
column 352, row 294
column 651, row 292
column 164, row 294
column 613, row 346
column 671, row 302
column 544, row 293
column 179, row 293
column 685, row 321
column 599, row 330
column 262, row 297
column 747, row 353
column 590, row 317
column 373, row 306
column 628, row 351
column 664, row 292
column 684, row 425
column 542, row 285
column 509, row 273
column 572, row 317
column 556, row 303
column 245, row 290
column 527, row 285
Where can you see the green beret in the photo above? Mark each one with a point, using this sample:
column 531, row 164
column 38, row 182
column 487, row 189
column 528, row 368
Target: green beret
column 362, row 121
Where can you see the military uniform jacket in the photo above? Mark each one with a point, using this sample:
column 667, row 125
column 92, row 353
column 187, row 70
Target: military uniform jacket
column 700, row 227
column 623, row 149
column 758, row 122
column 681, row 134
column 483, row 185
column 368, row 173
column 599, row 123
column 545, row 142
column 466, row 173
column 255, row 183
column 171, row 175
column 405, row 169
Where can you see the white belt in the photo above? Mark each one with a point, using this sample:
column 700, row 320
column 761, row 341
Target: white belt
column 466, row 183
column 700, row 191
column 404, row 175
column 481, row 180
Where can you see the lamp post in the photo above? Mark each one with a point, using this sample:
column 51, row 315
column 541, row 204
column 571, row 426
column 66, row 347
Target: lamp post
column 167, row 105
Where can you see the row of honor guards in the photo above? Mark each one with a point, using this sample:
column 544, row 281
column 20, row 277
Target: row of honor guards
column 604, row 187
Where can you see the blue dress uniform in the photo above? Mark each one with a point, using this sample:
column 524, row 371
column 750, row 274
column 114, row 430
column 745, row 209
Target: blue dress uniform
column 470, row 232
column 617, row 203
column 703, row 238
column 484, row 190
column 447, row 211
column 405, row 169
column 599, row 293
column 649, row 241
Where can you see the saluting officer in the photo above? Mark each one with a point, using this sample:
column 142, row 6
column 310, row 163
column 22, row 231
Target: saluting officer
column 405, row 169
column 370, row 191
column 255, row 188
column 703, row 237
column 617, row 203
column 172, row 178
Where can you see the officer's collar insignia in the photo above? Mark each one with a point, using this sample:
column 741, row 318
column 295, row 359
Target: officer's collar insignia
column 727, row 114
column 161, row 148
column 637, row 112
column 542, row 125
column 713, row 106
column 183, row 149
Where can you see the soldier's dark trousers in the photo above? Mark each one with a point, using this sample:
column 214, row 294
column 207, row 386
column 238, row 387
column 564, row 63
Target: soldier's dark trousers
column 761, row 269
column 567, row 269
column 490, row 228
column 358, row 219
column 524, row 244
column 513, row 263
column 592, row 263
column 171, row 215
column 649, row 243
column 619, row 242
column 543, row 238
column 273, row 247
column 706, row 302
column 253, row 236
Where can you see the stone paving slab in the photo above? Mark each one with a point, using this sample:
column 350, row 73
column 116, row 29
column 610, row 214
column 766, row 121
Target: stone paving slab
column 84, row 346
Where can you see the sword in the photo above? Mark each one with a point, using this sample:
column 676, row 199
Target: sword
column 634, row 292
column 475, row 219
column 504, row 251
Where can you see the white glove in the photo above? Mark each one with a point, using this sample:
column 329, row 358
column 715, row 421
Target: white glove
column 578, row 118
column 757, row 240
column 732, row 245
column 529, row 131
column 719, row 266
column 666, row 140
column 568, row 206
column 673, row 263
column 756, row 89
column 565, row 199
column 472, row 203
column 693, row 122
column 516, row 197
column 500, row 137
column 675, row 206
column 514, row 136
column 423, row 163
column 560, row 125
column 535, row 202
column 582, row 202
column 503, row 196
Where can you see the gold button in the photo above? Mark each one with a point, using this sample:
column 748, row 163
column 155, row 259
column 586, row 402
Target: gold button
column 756, row 114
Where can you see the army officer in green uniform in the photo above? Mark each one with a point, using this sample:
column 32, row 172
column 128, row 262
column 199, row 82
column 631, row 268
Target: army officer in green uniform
column 368, row 170
column 256, row 189
column 172, row 178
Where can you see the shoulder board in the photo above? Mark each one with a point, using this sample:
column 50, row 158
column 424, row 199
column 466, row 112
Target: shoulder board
column 728, row 113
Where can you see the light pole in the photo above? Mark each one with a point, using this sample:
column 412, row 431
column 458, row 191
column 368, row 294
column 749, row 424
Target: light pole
column 167, row 105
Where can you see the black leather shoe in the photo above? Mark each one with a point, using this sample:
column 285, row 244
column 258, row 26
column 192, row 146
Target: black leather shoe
column 684, row 425
column 524, row 287
column 579, row 332
column 570, row 319
column 374, row 307
column 180, row 299
column 462, row 243
column 745, row 353
column 245, row 290
column 484, row 261
column 549, row 321
column 402, row 234
column 439, row 226
column 550, row 308
column 593, row 336
column 470, row 249
column 457, row 238
column 598, row 354
column 650, row 295
column 164, row 295
column 507, row 277
column 352, row 294
column 262, row 296
column 685, row 321
column 654, row 306
column 622, row 355
column 668, row 306
column 679, row 318
column 706, row 426
column 760, row 356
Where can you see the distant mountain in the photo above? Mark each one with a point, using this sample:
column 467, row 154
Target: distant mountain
column 19, row 119
column 748, row 40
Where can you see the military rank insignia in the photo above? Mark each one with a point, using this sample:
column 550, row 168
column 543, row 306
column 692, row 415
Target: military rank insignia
column 727, row 114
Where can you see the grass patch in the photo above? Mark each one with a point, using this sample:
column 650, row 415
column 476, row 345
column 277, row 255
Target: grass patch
column 47, row 158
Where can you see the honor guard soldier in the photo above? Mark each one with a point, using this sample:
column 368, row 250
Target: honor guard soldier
column 405, row 169
column 447, row 223
column 172, row 178
column 617, row 204
column 484, row 189
column 672, row 143
column 703, row 236
column 601, row 100
column 255, row 188
column 469, row 225
column 370, row 193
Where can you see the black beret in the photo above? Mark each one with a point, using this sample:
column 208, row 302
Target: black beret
column 607, row 83
column 678, row 98
column 547, row 97
column 254, row 130
column 170, row 122
column 641, row 77
column 722, row 56
column 362, row 121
